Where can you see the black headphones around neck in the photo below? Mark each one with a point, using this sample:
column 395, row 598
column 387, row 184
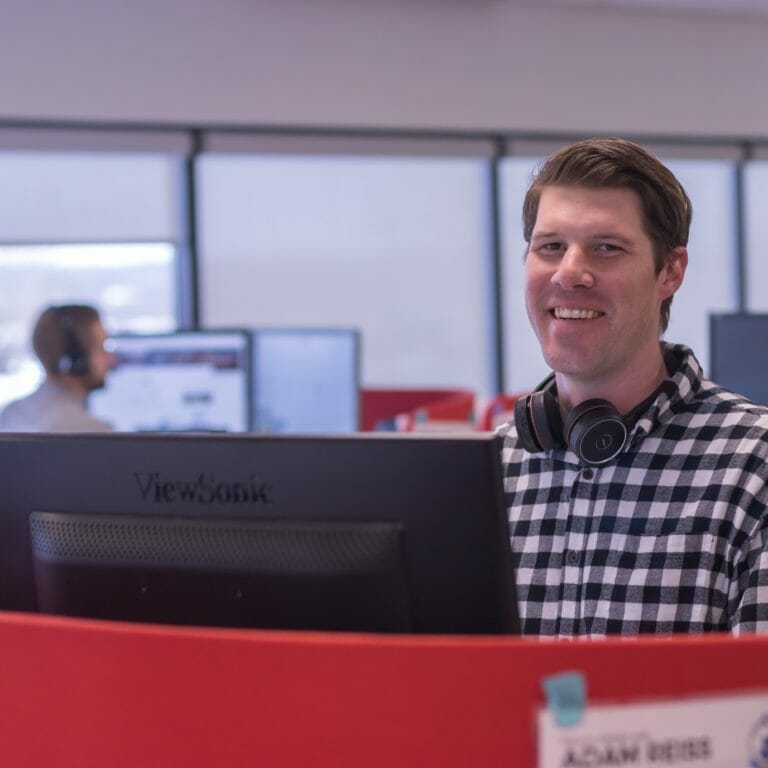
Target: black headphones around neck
column 594, row 430
column 75, row 360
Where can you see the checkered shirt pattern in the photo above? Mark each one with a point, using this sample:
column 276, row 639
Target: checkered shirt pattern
column 671, row 536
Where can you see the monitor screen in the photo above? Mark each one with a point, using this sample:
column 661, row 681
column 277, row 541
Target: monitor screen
column 178, row 382
column 306, row 380
column 366, row 532
column 738, row 354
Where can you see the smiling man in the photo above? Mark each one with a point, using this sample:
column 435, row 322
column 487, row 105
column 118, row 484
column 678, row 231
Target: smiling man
column 636, row 488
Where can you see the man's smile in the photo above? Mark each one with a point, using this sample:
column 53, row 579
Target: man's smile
column 563, row 313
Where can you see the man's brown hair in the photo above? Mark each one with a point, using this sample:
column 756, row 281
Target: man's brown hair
column 59, row 328
column 618, row 163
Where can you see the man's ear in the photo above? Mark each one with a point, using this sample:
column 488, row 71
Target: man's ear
column 673, row 272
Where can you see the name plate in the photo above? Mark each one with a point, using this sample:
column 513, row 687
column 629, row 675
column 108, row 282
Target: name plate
column 729, row 731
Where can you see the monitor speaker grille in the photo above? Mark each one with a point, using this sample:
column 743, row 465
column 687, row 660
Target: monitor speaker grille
column 235, row 544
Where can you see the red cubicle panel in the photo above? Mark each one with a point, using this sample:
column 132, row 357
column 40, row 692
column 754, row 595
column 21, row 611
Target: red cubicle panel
column 497, row 411
column 85, row 693
column 415, row 409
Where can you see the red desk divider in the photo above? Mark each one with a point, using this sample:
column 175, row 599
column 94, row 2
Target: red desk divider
column 87, row 693
column 405, row 409
column 497, row 410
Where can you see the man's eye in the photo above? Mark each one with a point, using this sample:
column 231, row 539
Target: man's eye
column 550, row 247
column 608, row 248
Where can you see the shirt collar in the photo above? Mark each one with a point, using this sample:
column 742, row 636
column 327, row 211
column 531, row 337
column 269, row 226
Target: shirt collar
column 675, row 393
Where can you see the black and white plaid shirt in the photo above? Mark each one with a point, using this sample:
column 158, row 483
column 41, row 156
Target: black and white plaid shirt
column 671, row 536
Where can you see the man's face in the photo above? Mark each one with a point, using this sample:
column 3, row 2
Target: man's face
column 100, row 360
column 591, row 288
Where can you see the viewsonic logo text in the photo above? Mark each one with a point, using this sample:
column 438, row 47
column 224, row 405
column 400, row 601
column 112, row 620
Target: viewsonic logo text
column 206, row 488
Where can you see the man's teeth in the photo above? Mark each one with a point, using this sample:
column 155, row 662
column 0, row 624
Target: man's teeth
column 576, row 314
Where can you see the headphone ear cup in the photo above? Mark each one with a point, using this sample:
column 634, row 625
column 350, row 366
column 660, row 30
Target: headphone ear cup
column 76, row 364
column 75, row 359
column 595, row 431
column 538, row 421
column 523, row 425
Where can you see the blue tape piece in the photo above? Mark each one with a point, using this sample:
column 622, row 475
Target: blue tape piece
column 566, row 696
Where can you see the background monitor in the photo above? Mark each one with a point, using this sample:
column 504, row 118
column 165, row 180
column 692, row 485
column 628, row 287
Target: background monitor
column 178, row 382
column 738, row 354
column 369, row 532
column 306, row 380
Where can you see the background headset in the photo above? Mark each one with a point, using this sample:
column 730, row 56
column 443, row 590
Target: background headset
column 594, row 430
column 75, row 360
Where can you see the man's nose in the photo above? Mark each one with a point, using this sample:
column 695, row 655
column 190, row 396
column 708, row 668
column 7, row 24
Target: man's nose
column 574, row 269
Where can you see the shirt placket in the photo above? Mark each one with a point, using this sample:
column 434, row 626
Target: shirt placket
column 580, row 509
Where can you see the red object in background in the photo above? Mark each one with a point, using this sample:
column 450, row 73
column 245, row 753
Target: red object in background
column 403, row 409
column 497, row 411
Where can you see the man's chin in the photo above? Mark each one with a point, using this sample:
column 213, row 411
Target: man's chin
column 578, row 366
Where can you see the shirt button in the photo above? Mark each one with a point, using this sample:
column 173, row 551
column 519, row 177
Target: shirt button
column 572, row 557
column 588, row 474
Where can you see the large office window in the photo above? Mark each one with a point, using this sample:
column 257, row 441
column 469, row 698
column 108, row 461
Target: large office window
column 524, row 366
column 132, row 284
column 756, row 234
column 710, row 284
column 94, row 227
column 395, row 246
column 322, row 231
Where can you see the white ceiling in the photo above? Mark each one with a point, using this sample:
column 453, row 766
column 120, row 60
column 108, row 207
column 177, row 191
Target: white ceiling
column 730, row 7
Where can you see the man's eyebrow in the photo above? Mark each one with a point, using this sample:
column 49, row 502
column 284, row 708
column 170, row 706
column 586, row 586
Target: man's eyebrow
column 596, row 236
column 612, row 236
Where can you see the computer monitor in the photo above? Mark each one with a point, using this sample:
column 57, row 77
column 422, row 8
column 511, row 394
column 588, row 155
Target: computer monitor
column 365, row 532
column 306, row 380
column 178, row 382
column 738, row 354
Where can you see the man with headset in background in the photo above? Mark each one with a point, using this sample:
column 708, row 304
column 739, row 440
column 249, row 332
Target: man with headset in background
column 636, row 488
column 69, row 342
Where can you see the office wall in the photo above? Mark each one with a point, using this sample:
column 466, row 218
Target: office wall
column 462, row 64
